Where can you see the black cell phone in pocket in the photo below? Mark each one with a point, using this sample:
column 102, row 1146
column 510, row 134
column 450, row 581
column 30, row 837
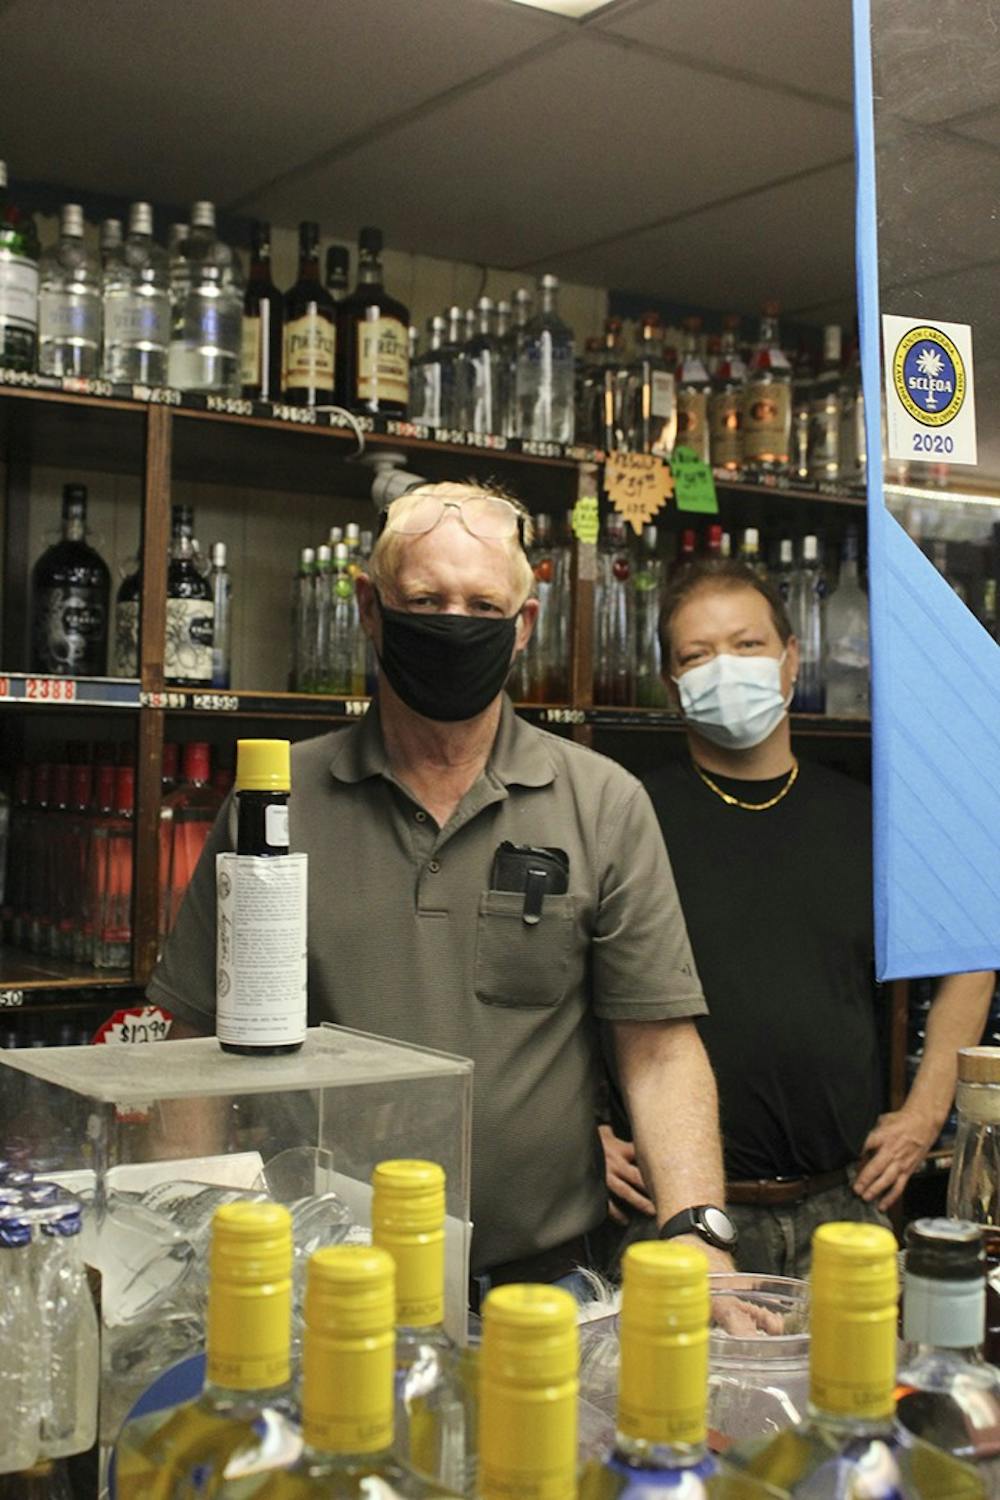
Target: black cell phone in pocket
column 537, row 871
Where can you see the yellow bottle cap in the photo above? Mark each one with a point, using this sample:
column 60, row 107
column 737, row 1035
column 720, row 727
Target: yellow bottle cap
column 854, row 1292
column 528, row 1394
column 263, row 766
column 349, row 1355
column 663, row 1385
column 248, row 1327
column 408, row 1222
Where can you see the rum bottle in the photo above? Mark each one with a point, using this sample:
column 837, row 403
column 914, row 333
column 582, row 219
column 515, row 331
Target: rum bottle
column 372, row 341
column 767, row 402
column 310, row 329
column 70, row 591
column 693, row 386
column 190, row 611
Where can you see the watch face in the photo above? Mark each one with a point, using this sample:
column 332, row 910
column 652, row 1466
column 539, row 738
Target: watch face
column 719, row 1225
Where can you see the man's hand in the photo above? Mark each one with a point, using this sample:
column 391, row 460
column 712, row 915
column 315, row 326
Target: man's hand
column 622, row 1175
column 891, row 1154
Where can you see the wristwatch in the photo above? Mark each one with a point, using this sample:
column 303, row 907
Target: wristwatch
column 711, row 1224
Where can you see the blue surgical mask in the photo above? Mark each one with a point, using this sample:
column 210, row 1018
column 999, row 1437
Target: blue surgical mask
column 734, row 701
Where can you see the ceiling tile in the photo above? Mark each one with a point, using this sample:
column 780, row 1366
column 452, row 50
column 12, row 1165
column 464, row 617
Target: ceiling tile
column 935, row 61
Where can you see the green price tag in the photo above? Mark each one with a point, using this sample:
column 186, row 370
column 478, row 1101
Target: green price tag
column 586, row 522
column 694, row 486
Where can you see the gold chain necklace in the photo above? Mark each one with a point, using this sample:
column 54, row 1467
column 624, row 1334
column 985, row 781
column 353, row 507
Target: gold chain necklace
column 731, row 801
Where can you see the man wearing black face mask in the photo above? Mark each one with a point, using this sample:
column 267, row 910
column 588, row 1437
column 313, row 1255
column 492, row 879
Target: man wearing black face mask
column 480, row 886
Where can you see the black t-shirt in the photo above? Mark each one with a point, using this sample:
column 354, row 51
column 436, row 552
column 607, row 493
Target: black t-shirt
column 778, row 906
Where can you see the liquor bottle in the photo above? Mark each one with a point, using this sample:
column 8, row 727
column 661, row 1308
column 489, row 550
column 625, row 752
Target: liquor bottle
column 188, row 655
column 70, row 591
column 112, row 855
column 611, row 433
column 661, row 1427
column 432, row 380
column 614, row 625
column 989, row 615
column 136, row 292
column 112, row 242
column 310, row 329
column 18, row 282
column 57, row 857
column 767, row 402
column 220, row 584
column 853, row 439
column 510, row 350
column 20, row 1335
column 243, row 1413
column 127, row 624
column 322, row 618
column 261, row 989
column 372, row 346
column 803, row 381
column 345, row 674
column 587, row 392
column 946, row 1393
column 207, row 310
column 35, row 917
column 435, row 1406
column 453, row 379
column 786, row 568
column 650, row 689
column 807, row 611
column 481, row 371
column 824, row 429
column 81, row 806
column 974, row 1179
column 714, row 542
column 338, row 270
column 686, row 552
column 848, row 658
column 187, row 816
column 851, row 1432
column 528, row 1391
column 69, row 302
column 541, row 675
column 749, row 551
column 725, row 402
column 693, row 386
column 544, row 381
column 303, row 671
column 262, row 346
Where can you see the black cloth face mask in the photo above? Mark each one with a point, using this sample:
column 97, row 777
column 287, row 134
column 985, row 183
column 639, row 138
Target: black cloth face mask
column 445, row 667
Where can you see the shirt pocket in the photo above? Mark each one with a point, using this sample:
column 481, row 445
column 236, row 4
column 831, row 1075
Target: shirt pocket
column 522, row 965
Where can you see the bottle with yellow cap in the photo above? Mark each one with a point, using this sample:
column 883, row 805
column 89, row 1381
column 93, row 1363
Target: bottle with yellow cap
column 435, row 1413
column 243, row 1420
column 662, row 1428
column 851, row 1444
column 261, row 921
column 348, row 1362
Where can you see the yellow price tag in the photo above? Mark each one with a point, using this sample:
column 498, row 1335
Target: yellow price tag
column 586, row 522
column 638, row 485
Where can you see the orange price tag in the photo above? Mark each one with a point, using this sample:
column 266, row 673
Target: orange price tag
column 638, row 485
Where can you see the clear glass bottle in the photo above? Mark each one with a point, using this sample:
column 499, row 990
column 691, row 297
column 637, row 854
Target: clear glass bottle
column 650, row 689
column 262, row 347
column 481, row 367
column 112, row 243
column 749, row 551
column 946, row 1392
column 786, row 568
column 545, row 373
column 687, row 548
column 113, row 854
column 807, row 610
column 346, row 673
column 824, row 426
column 543, row 667
column 304, row 623
column 853, row 438
column 137, row 306
column 848, row 657
column 803, row 384
column 221, row 584
column 612, row 433
column 69, row 1344
column 19, row 253
column 435, row 1401
column 974, row 1180
column 373, row 349
column 190, row 617
column 70, row 592
column 433, row 374
column 767, row 402
column 322, row 618
column 69, row 302
column 725, row 402
column 243, row 1415
column 614, row 623
column 207, row 310
column 187, row 816
column 693, row 387
column 510, row 350
column 20, row 1336
column 852, row 1443
column 310, row 336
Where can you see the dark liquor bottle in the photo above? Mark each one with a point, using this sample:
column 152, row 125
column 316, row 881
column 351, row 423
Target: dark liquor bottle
column 310, row 329
column 338, row 268
column 19, row 255
column 127, row 624
column 260, row 371
column 190, row 634
column 70, row 589
column 373, row 351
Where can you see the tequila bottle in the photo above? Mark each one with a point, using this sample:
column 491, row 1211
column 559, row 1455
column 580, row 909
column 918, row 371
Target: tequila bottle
column 767, row 402
column 18, row 282
column 545, row 373
column 824, row 431
column 69, row 302
column 693, row 386
column 137, row 306
column 725, row 404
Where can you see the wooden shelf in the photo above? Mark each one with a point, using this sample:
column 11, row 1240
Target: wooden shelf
column 21, row 970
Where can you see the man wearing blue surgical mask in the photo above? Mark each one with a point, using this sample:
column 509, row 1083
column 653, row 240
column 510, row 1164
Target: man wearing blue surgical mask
column 772, row 859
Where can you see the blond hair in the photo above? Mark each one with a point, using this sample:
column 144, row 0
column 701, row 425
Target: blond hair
column 383, row 565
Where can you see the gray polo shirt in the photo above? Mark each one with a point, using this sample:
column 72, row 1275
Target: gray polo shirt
column 407, row 940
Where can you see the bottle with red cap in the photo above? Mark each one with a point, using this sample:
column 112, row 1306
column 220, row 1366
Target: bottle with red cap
column 713, row 543
column 767, row 402
column 113, row 869
column 685, row 552
column 186, row 818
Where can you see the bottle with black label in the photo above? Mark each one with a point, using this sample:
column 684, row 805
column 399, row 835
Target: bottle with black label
column 261, row 917
column 70, row 591
column 310, row 329
column 262, row 349
column 373, row 344
column 190, row 612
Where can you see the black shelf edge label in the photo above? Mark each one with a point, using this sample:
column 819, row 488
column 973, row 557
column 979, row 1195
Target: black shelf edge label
column 86, row 692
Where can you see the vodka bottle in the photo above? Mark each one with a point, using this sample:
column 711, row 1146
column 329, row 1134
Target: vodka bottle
column 503, row 369
column 545, row 373
column 803, row 384
column 848, row 659
column 435, row 1408
column 946, row 1392
column 807, row 609
column 242, row 1415
column 137, row 306
column 70, row 589
column 749, row 551
column 220, row 583
column 481, row 371
column 614, row 626
column 767, row 402
column 650, row 689
column 20, row 1354
column 69, row 1345
column 190, row 615
column 433, row 376
column 510, row 350
column 345, row 673
column 785, row 569
column 652, row 397
column 824, row 429
column 851, row 1432
column 725, row 403
column 207, row 309
column 304, row 624
column 112, row 243
column 693, row 386
column 69, row 302
column 612, row 390
column 18, row 283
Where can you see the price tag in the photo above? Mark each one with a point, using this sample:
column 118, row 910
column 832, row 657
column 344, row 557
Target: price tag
column 356, row 708
column 50, row 689
column 694, row 486
column 226, row 703
column 11, row 999
column 638, row 485
column 586, row 521
column 4, row 687
column 139, row 1024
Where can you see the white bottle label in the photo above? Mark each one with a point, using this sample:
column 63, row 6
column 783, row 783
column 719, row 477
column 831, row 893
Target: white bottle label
column 383, row 360
column 276, row 826
column 261, row 968
column 662, row 394
column 190, row 631
column 18, row 292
